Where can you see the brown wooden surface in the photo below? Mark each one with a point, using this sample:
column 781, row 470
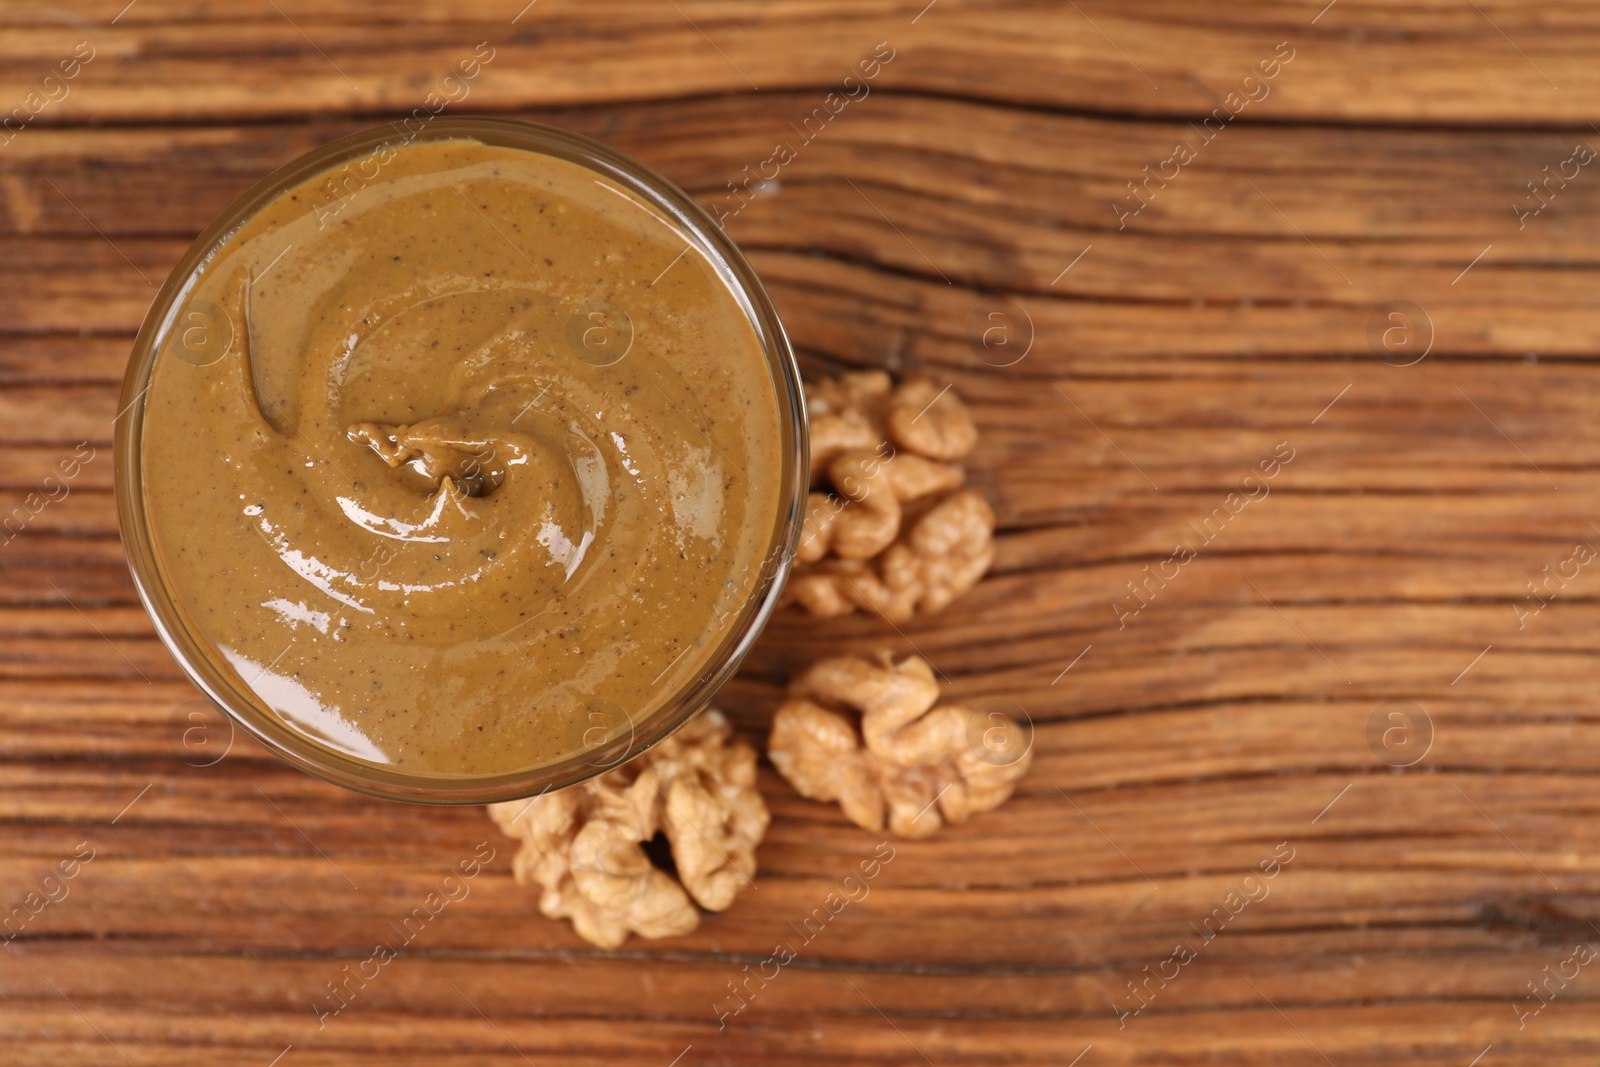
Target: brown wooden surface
column 1171, row 758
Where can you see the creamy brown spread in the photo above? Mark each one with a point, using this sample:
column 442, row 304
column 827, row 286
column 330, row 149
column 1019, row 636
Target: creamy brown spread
column 471, row 472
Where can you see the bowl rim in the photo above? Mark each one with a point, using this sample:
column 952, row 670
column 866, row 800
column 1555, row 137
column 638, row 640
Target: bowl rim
column 220, row 685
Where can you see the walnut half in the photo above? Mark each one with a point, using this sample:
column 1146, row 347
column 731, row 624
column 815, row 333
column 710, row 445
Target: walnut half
column 583, row 846
column 888, row 526
column 903, row 761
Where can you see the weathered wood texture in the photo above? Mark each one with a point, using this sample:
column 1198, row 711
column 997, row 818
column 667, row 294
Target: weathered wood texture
column 1390, row 561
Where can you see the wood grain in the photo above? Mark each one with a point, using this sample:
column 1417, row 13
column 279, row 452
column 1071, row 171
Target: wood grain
column 1177, row 747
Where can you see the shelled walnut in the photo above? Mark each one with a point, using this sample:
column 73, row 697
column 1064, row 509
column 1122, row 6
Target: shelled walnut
column 888, row 527
column 903, row 761
column 584, row 846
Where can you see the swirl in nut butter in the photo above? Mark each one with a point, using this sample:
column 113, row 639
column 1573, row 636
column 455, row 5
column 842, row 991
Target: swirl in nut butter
column 458, row 474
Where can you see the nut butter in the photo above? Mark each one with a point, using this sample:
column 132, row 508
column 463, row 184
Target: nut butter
column 476, row 472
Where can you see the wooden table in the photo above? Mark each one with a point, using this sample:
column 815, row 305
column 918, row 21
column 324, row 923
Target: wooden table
column 1353, row 212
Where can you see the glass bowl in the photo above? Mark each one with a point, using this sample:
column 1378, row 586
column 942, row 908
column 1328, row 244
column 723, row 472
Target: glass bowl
column 227, row 690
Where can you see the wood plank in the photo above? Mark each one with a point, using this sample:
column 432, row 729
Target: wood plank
column 1428, row 60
